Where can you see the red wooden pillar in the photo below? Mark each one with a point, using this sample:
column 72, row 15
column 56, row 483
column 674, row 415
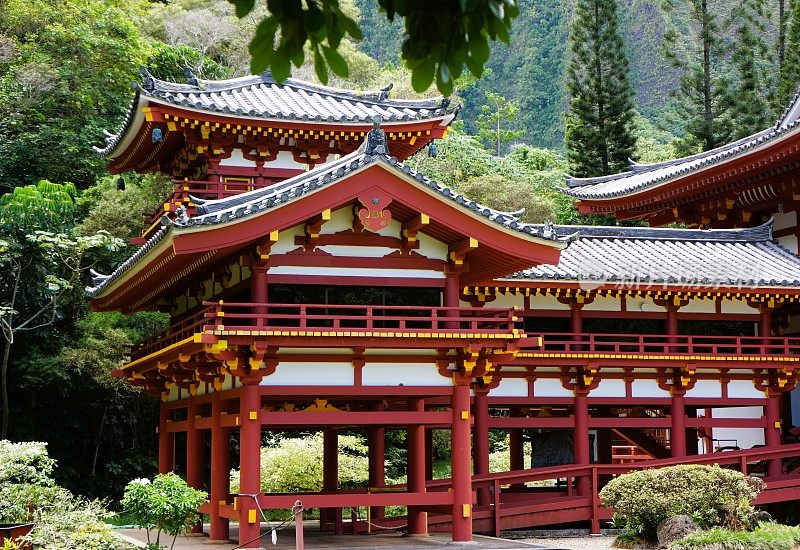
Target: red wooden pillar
column 417, row 519
column 480, row 441
column 451, row 297
column 194, row 453
column 429, row 453
column 249, row 464
column 576, row 322
column 772, row 429
column 460, row 464
column 220, row 471
column 580, row 440
column 677, row 432
column 166, row 441
column 376, row 441
column 516, row 450
column 258, row 290
column 330, row 475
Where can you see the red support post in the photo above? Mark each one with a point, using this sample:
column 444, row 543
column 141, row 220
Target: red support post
column 451, row 297
column 259, row 291
column 330, row 476
column 166, row 441
column 194, row 453
column 460, row 465
column 220, row 471
column 376, row 441
column 772, row 430
column 480, row 441
column 429, row 453
column 516, row 451
column 580, row 439
column 677, row 432
column 249, row 465
column 417, row 519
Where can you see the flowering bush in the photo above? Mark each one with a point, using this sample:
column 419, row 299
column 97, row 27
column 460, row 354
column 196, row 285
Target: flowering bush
column 710, row 495
column 167, row 504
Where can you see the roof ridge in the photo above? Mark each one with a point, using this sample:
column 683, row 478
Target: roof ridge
column 759, row 233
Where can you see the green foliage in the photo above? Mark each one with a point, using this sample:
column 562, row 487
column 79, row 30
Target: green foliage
column 61, row 519
column 599, row 125
column 68, row 79
column 767, row 536
column 460, row 36
column 497, row 114
column 710, row 495
column 167, row 62
column 167, row 504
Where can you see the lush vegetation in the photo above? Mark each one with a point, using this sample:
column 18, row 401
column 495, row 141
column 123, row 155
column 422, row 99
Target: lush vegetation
column 711, row 496
column 767, row 536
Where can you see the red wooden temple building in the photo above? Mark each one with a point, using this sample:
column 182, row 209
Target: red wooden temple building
column 317, row 282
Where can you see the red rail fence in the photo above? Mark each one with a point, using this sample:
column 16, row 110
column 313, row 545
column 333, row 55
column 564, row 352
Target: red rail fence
column 175, row 333
column 360, row 318
column 662, row 343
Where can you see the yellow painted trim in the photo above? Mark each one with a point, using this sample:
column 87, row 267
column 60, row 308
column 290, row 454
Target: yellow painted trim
column 189, row 340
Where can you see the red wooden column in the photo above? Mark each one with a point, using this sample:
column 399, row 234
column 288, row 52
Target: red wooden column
column 194, row 453
column 516, row 450
column 429, row 453
column 166, row 441
column 376, row 441
column 330, row 475
column 677, row 431
column 772, row 429
column 451, row 296
column 480, row 441
column 460, row 464
column 249, row 464
column 258, row 289
column 220, row 470
column 417, row 519
column 580, row 439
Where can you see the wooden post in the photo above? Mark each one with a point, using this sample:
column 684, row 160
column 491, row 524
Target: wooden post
column 580, row 439
column 330, row 476
column 677, row 432
column 772, row 429
column 249, row 464
column 480, row 441
column 417, row 519
column 376, row 441
column 516, row 451
column 194, row 453
column 220, row 471
column 428, row 453
column 451, row 297
column 460, row 464
column 299, row 542
column 166, row 441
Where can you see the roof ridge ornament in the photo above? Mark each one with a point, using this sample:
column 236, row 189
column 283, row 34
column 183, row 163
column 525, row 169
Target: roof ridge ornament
column 191, row 79
column 384, row 95
column 148, row 80
column 376, row 143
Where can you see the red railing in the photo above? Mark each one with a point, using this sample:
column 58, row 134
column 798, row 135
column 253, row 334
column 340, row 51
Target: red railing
column 666, row 344
column 175, row 333
column 358, row 318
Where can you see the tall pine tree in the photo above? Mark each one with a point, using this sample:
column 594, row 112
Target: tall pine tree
column 789, row 79
column 750, row 108
column 599, row 125
column 694, row 45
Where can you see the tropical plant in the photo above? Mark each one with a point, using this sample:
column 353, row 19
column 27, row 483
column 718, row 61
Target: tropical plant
column 167, row 504
column 497, row 115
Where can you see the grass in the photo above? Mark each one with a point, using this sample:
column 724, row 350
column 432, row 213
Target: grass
column 767, row 536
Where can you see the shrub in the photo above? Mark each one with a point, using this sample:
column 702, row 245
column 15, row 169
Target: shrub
column 61, row 519
column 166, row 505
column 767, row 536
column 710, row 495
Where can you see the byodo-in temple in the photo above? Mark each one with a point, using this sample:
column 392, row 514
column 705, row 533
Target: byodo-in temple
column 318, row 282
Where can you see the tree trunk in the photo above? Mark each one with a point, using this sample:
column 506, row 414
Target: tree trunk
column 4, row 387
column 99, row 434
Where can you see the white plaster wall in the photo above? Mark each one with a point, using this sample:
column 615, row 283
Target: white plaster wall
column 647, row 388
column 311, row 374
column 705, row 388
column 745, row 437
column 507, row 301
column 744, row 389
column 357, row 251
column 547, row 302
column 511, row 387
column 341, row 220
column 550, row 387
column 406, row 374
column 237, row 159
column 431, row 248
column 609, row 388
column 285, row 160
column 699, row 306
column 642, row 304
column 737, row 306
column 604, row 303
column 354, row 272
column 286, row 240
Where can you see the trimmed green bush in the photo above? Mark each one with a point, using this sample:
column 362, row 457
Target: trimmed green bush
column 767, row 536
column 710, row 495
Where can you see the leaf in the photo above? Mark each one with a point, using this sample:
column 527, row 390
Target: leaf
column 336, row 62
column 243, row 7
column 319, row 67
column 280, row 66
column 444, row 81
column 422, row 75
column 262, row 46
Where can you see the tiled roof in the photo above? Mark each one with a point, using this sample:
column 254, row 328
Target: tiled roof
column 645, row 176
column 631, row 255
column 261, row 97
column 221, row 211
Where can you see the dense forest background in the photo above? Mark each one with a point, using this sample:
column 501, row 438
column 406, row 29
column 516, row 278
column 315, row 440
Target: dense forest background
column 65, row 76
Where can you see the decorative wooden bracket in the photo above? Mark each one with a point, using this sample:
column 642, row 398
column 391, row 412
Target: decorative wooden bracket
column 313, row 228
column 374, row 215
column 409, row 232
column 776, row 381
column 678, row 381
column 581, row 379
column 459, row 249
